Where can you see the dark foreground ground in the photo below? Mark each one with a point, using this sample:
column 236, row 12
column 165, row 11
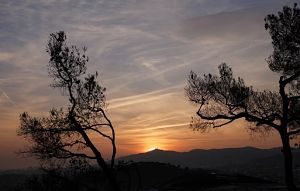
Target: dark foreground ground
column 150, row 176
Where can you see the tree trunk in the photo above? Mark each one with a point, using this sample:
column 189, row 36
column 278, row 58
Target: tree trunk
column 288, row 161
column 111, row 177
column 108, row 171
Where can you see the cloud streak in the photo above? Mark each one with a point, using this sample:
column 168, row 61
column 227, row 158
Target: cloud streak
column 143, row 51
column 7, row 97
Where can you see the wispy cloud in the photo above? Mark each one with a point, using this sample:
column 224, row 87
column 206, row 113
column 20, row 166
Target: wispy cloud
column 7, row 98
column 143, row 51
column 141, row 98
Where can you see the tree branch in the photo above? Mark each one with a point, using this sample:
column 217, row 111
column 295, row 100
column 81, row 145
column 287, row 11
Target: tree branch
column 294, row 97
column 245, row 115
column 226, row 123
column 104, row 135
column 291, row 78
column 112, row 138
column 99, row 124
column 293, row 132
column 72, row 154
column 219, row 116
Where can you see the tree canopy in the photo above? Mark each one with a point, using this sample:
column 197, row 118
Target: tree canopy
column 224, row 98
column 65, row 134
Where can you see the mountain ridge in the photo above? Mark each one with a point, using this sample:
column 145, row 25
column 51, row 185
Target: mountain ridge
column 205, row 158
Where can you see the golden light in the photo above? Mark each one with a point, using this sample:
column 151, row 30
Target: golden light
column 151, row 145
column 151, row 149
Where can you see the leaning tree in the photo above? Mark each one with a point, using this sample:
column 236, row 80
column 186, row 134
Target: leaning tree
column 223, row 99
column 65, row 135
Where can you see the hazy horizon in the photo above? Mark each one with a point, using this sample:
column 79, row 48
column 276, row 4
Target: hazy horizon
column 35, row 165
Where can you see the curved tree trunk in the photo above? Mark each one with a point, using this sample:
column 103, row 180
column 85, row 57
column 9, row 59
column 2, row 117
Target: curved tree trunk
column 107, row 169
column 288, row 161
column 110, row 174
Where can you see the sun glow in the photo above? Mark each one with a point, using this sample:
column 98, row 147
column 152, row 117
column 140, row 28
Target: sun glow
column 151, row 149
column 154, row 144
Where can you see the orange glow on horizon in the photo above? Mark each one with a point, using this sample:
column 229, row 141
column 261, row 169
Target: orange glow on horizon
column 150, row 145
column 151, row 149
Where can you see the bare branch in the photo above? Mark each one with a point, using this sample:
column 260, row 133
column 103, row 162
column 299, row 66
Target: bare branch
column 294, row 132
column 226, row 123
column 104, row 135
column 291, row 78
column 294, row 97
column 71, row 154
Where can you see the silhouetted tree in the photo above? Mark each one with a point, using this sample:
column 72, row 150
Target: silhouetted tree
column 65, row 133
column 224, row 99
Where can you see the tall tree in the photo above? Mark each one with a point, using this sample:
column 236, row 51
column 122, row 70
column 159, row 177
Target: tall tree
column 223, row 99
column 65, row 133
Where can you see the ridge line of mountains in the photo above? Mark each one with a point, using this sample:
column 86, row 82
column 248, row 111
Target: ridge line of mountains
column 223, row 159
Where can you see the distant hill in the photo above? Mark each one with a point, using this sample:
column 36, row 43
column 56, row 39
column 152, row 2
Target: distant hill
column 267, row 163
column 199, row 158
column 215, row 169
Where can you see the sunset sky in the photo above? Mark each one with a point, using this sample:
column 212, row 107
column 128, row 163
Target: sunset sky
column 143, row 51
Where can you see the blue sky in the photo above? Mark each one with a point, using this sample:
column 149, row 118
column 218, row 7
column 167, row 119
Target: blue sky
column 143, row 51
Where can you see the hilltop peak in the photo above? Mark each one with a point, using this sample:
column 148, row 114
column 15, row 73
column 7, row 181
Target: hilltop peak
column 156, row 150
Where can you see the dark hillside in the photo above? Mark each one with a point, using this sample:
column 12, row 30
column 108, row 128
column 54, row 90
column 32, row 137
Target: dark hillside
column 198, row 158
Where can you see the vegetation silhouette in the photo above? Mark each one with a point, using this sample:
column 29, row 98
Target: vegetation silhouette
column 64, row 136
column 223, row 99
column 53, row 179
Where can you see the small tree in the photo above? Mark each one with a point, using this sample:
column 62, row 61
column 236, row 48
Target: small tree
column 223, row 99
column 65, row 134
